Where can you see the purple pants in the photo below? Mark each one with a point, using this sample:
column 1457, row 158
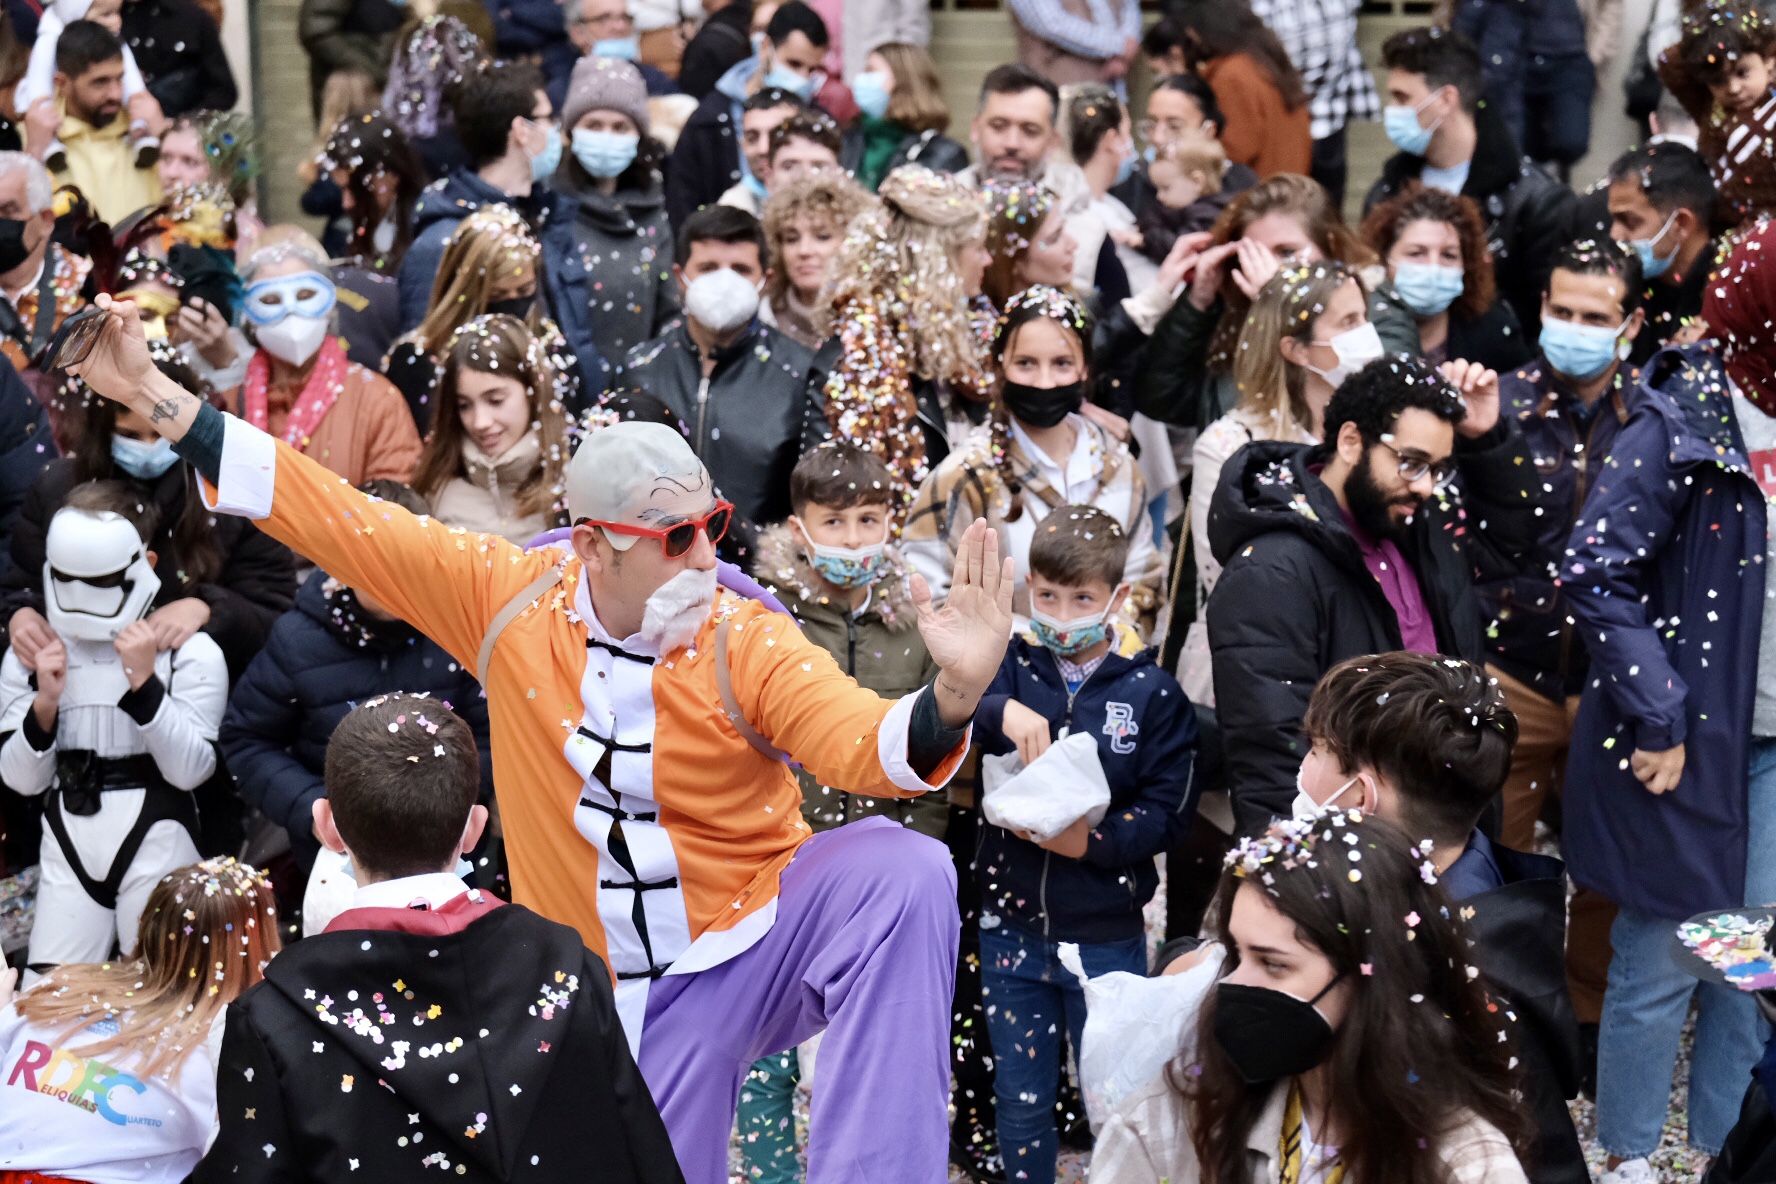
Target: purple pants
column 864, row 946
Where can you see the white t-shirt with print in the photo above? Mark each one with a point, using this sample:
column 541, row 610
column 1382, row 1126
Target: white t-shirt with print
column 94, row 1119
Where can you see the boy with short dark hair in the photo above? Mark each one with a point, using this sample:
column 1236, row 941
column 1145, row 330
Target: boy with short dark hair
column 1088, row 883
column 1425, row 742
column 462, row 1030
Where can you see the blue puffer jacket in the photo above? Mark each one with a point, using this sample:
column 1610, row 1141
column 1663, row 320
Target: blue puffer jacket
column 1146, row 733
column 313, row 670
column 1665, row 575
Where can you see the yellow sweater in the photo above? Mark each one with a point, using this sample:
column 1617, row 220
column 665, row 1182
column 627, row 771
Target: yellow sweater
column 102, row 165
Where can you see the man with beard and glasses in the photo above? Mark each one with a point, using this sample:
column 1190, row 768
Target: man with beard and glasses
column 641, row 727
column 98, row 157
column 1339, row 549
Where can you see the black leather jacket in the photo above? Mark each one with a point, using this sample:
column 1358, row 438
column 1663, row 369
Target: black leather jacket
column 749, row 420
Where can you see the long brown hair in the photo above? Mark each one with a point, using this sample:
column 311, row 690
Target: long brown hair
column 1222, row 28
column 1288, row 306
column 1298, row 197
column 1016, row 212
column 206, row 934
column 491, row 244
column 917, row 103
column 1381, row 230
column 191, row 536
column 500, row 345
column 1419, row 1050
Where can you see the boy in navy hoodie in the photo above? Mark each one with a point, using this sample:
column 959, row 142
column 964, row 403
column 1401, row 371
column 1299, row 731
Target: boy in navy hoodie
column 1087, row 884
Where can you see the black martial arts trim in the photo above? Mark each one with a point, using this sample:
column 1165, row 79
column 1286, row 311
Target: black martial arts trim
column 929, row 740
column 202, row 446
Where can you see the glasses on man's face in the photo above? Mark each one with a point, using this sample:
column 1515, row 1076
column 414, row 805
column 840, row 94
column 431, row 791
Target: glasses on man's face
column 680, row 537
column 1414, row 467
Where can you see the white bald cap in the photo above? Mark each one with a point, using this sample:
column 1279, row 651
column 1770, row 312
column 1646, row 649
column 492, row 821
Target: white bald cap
column 618, row 469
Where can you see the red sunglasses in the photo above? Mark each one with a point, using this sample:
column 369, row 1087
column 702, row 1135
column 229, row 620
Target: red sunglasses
column 680, row 537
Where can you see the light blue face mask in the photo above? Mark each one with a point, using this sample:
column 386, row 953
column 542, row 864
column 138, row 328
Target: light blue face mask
column 1651, row 265
column 1150, row 153
column 871, row 90
column 1427, row 288
column 1580, row 352
column 1125, row 168
column 624, row 49
column 754, row 186
column 544, row 163
column 1401, row 125
column 142, row 460
column 783, row 78
column 604, row 154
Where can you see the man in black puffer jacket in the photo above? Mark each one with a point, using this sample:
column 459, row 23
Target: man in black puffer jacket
column 325, row 656
column 1336, row 550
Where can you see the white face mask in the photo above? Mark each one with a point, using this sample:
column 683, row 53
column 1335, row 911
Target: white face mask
column 293, row 339
column 1355, row 349
column 1306, row 807
column 677, row 609
column 383, row 237
column 721, row 301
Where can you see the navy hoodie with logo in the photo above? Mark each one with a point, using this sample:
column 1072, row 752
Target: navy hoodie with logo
column 1146, row 732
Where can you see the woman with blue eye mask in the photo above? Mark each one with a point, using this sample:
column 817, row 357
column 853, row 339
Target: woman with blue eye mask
column 1434, row 245
column 218, row 573
column 904, row 117
column 609, row 277
column 300, row 386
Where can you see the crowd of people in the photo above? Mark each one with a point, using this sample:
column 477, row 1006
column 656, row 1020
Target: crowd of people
column 703, row 518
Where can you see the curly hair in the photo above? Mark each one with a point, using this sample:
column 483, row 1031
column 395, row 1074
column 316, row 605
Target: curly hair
column 1294, row 196
column 1374, row 397
column 827, row 199
column 1416, row 203
column 902, row 311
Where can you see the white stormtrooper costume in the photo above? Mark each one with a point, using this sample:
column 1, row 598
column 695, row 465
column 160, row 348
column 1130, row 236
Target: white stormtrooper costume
column 120, row 764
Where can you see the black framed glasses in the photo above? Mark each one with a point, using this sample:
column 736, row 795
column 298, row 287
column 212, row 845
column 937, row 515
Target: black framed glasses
column 1415, row 468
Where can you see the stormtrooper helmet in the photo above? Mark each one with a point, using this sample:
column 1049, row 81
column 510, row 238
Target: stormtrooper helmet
column 96, row 574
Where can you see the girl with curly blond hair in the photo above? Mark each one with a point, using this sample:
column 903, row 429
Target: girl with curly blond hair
column 909, row 340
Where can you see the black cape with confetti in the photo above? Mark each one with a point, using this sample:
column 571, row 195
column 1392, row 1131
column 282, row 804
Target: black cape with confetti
column 492, row 1053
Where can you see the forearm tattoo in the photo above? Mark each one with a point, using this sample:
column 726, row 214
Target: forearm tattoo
column 166, row 409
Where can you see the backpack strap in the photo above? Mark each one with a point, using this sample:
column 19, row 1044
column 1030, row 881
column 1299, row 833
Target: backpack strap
column 724, row 683
column 508, row 611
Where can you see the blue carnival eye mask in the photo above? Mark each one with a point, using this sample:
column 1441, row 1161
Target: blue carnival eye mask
column 307, row 294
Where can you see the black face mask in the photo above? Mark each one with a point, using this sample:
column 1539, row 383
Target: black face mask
column 1043, row 407
column 513, row 306
column 1269, row 1035
column 13, row 250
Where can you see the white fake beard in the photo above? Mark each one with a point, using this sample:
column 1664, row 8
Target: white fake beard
column 677, row 609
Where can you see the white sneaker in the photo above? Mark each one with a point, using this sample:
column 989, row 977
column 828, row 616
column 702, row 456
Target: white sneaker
column 1631, row 1171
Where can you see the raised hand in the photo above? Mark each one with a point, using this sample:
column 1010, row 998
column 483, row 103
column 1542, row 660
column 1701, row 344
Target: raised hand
column 118, row 366
column 968, row 635
column 1479, row 389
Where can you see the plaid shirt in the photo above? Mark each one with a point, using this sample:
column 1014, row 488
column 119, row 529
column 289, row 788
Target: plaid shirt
column 1321, row 39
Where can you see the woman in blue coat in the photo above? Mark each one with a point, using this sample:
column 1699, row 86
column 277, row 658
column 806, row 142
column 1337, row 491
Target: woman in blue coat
column 325, row 656
column 1671, row 783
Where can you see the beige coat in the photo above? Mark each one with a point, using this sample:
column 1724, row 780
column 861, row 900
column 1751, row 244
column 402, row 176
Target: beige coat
column 483, row 500
column 1146, row 1142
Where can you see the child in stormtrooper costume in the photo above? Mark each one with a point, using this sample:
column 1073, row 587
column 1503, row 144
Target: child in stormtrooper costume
column 130, row 734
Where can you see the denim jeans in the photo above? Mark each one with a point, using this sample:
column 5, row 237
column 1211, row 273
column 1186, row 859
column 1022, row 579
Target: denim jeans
column 1649, row 998
column 1029, row 996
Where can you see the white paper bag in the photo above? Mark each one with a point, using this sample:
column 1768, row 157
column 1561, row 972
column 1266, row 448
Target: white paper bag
column 1134, row 1027
column 1054, row 791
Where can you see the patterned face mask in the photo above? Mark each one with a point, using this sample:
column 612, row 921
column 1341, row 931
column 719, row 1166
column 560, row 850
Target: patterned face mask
column 847, row 569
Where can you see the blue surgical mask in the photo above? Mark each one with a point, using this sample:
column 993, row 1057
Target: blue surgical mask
column 1067, row 638
column 142, row 460
column 604, row 154
column 848, row 569
column 1149, row 154
column 626, row 49
column 1401, row 125
column 754, row 186
column 544, row 163
column 871, row 90
column 1652, row 266
column 783, row 78
column 1427, row 288
column 1580, row 352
